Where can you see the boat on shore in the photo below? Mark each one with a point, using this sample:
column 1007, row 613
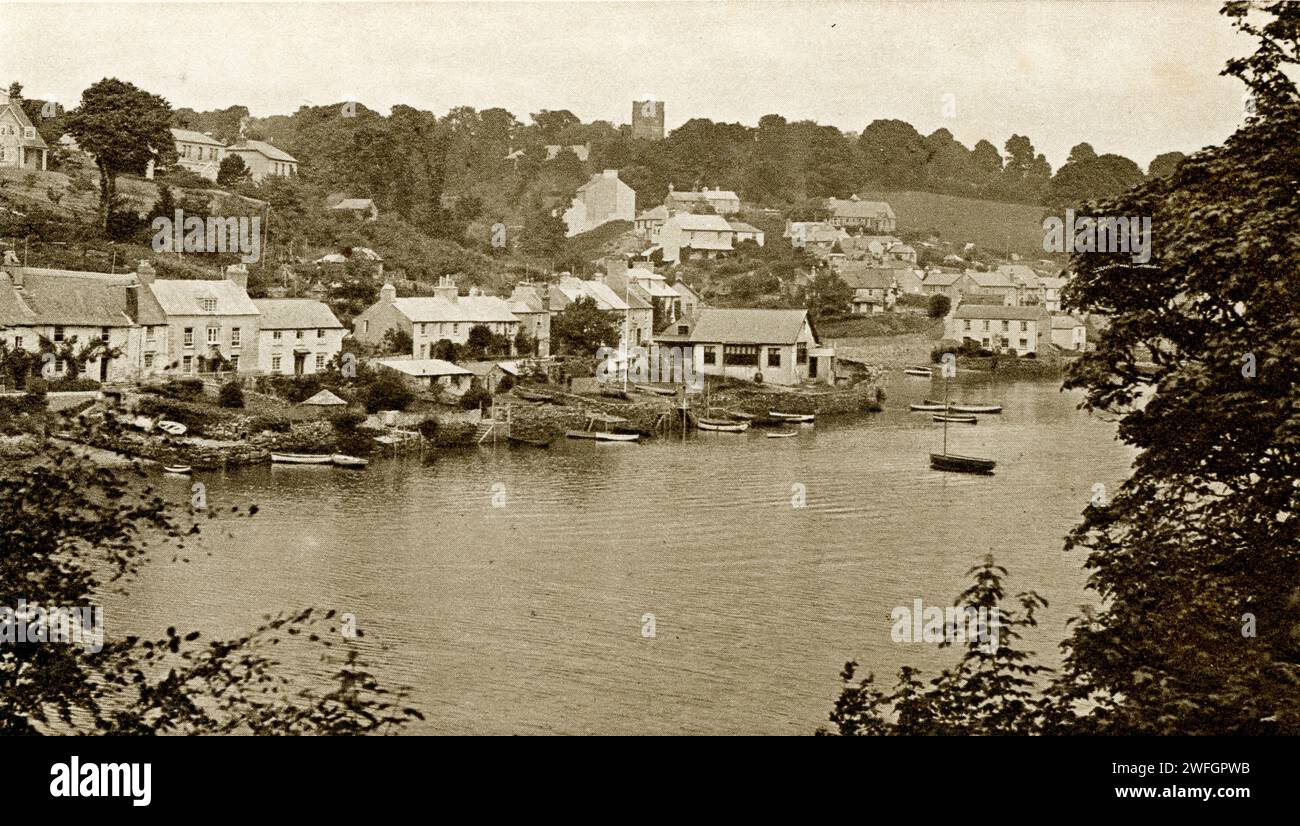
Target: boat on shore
column 918, row 371
column 958, row 407
column 722, row 425
column 802, row 418
column 783, row 435
column 343, row 460
column 170, row 428
column 955, row 419
column 961, row 464
column 927, row 407
column 302, row 458
column 605, row 435
column 177, row 468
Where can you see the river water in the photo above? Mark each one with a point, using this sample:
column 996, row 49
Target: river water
column 511, row 586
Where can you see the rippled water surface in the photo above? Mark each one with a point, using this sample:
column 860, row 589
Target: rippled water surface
column 527, row 618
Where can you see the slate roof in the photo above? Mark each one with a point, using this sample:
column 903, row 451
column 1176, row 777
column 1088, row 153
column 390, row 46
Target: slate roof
column 262, row 147
column 471, row 309
column 295, row 314
column 191, row 136
column 66, row 298
column 423, row 368
column 1000, row 312
column 184, row 297
column 739, row 326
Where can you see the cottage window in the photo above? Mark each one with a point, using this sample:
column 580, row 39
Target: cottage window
column 1024, row 326
column 1006, row 326
column 103, row 334
column 320, row 333
column 187, row 364
column 740, row 355
column 710, row 357
column 298, row 334
column 149, row 334
column 320, row 361
column 773, row 357
column 234, row 363
column 148, row 359
column 209, row 305
column 986, row 324
column 58, row 334
column 214, row 335
column 189, row 337
column 967, row 323
column 275, row 364
column 801, row 353
column 18, row 342
column 276, row 335
column 1024, row 343
column 235, row 336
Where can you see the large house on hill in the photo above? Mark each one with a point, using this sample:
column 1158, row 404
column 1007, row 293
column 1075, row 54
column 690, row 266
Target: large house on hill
column 863, row 217
column 198, row 152
column 21, row 145
column 717, row 200
column 263, row 159
column 781, row 346
column 603, row 198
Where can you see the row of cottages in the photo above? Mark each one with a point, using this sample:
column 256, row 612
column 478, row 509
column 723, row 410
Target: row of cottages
column 635, row 315
column 603, row 198
column 861, row 217
column 877, row 289
column 684, row 236
column 717, row 201
column 21, row 145
column 881, row 250
column 166, row 326
column 1002, row 328
column 430, row 319
column 1012, row 284
column 772, row 346
column 202, row 154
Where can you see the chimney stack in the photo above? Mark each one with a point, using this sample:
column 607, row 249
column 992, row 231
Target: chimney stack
column 238, row 273
column 446, row 289
column 145, row 272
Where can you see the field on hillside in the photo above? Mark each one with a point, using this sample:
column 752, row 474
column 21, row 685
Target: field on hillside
column 993, row 226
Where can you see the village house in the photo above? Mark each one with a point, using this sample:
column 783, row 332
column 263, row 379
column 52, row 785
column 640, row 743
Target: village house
column 601, row 199
column 363, row 209
column 817, row 237
column 263, row 159
column 772, row 346
column 528, row 303
column 875, row 290
column 21, row 145
column 1069, row 333
column 717, row 200
column 690, row 300
column 297, row 336
column 198, row 152
column 954, row 284
column 648, row 286
column 208, row 325
column 685, row 236
column 43, row 310
column 1052, row 287
column 997, row 284
column 861, row 217
column 490, row 374
column 746, row 232
column 430, row 374
column 648, row 223
column 1002, row 328
column 635, row 323
column 430, row 319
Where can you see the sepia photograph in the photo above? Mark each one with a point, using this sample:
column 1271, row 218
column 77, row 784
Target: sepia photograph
column 736, row 368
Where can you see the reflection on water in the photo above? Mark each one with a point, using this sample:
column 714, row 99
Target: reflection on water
column 528, row 617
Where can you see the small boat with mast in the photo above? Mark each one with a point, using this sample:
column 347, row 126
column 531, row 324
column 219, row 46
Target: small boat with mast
column 951, row 461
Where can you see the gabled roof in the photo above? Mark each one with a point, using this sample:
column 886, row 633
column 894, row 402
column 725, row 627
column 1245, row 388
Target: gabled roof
column 354, row 204
column 324, row 399
column 1000, row 312
column 295, row 314
column 181, row 297
column 1065, row 322
column 482, row 368
column 698, row 223
column 659, row 213
column 571, row 289
column 865, row 278
column 190, row 136
column 741, row 226
column 852, row 208
column 65, row 298
column 271, row 151
column 991, row 279
column 941, row 278
column 739, row 326
column 14, row 107
column 466, row 309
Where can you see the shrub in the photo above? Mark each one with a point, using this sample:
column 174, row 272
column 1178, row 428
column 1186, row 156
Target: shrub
column 474, row 397
column 428, row 428
column 347, row 421
column 231, row 395
column 387, row 392
column 179, row 389
column 506, row 384
column 938, row 306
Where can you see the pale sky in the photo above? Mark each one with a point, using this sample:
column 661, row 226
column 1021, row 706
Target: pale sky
column 1135, row 78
